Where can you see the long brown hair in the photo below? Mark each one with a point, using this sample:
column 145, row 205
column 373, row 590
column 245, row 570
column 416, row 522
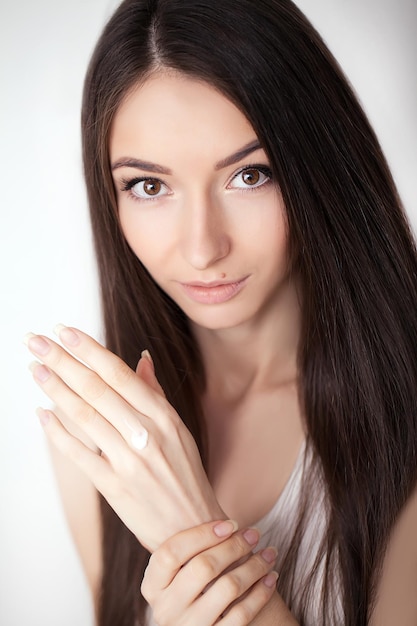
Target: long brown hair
column 352, row 247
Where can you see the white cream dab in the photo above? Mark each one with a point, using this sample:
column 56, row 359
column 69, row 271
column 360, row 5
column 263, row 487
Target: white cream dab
column 139, row 437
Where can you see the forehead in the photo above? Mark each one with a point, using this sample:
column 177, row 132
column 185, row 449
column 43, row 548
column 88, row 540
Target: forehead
column 172, row 111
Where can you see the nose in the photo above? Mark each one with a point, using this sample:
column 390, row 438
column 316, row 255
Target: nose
column 205, row 239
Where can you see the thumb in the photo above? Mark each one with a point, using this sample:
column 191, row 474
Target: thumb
column 146, row 371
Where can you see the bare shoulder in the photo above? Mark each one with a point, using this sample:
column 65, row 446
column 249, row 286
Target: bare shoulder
column 396, row 601
column 81, row 505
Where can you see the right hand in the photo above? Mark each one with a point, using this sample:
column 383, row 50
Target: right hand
column 197, row 577
column 157, row 490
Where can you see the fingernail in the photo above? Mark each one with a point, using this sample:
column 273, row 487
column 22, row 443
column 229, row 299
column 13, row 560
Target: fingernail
column 40, row 372
column 27, row 337
column 226, row 528
column 36, row 344
column 44, row 416
column 67, row 335
column 145, row 354
column 269, row 554
column 271, row 579
column 251, row 535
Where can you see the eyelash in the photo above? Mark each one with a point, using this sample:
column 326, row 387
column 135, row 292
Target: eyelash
column 264, row 169
column 128, row 184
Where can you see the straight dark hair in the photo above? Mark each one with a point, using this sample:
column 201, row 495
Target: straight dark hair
column 351, row 247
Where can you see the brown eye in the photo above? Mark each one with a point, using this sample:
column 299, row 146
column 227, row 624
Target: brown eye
column 152, row 187
column 251, row 177
column 145, row 188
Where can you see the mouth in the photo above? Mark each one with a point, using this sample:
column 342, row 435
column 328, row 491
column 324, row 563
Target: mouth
column 215, row 292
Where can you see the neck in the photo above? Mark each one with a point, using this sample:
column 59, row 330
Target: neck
column 260, row 354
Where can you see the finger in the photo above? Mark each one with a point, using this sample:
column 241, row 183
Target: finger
column 91, row 463
column 113, row 370
column 107, row 367
column 89, row 386
column 244, row 611
column 234, row 585
column 165, row 562
column 201, row 570
column 82, row 414
column 145, row 370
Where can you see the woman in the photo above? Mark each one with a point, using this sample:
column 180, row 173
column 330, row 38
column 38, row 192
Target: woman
column 249, row 235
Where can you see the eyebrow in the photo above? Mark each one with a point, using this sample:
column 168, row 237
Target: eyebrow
column 147, row 166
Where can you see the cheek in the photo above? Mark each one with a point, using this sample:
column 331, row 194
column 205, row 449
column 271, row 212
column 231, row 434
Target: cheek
column 144, row 237
column 269, row 237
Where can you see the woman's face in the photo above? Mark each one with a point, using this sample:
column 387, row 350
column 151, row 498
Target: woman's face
column 196, row 200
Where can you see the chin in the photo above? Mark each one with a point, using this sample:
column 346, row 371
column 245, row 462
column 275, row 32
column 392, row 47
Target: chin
column 218, row 319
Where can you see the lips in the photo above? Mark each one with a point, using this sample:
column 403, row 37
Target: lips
column 213, row 292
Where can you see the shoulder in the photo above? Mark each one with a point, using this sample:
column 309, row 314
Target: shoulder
column 81, row 505
column 396, row 598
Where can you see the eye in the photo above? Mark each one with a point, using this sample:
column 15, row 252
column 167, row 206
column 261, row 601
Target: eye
column 251, row 177
column 145, row 188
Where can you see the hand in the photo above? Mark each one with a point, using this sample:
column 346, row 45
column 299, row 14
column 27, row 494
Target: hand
column 149, row 469
column 197, row 577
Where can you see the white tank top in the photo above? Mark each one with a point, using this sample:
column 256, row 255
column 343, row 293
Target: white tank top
column 277, row 528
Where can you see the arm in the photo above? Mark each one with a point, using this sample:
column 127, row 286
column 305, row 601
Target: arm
column 80, row 501
column 157, row 489
column 396, row 598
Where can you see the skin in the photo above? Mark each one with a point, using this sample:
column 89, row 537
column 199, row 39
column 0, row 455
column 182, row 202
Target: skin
column 209, row 225
column 154, row 492
column 205, row 222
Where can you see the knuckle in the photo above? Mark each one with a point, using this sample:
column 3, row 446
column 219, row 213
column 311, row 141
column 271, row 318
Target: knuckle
column 202, row 533
column 259, row 566
column 93, row 387
column 231, row 586
column 166, row 556
column 84, row 414
column 170, row 423
column 204, row 568
column 242, row 614
column 120, row 373
column 239, row 546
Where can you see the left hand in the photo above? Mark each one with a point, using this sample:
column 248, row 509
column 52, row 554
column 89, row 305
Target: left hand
column 199, row 577
column 157, row 491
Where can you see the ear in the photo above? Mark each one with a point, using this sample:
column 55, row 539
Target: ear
column 146, row 371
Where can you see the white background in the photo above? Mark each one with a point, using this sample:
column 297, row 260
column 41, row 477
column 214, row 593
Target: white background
column 47, row 266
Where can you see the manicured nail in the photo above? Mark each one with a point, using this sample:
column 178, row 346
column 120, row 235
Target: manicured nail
column 226, row 528
column 271, row 580
column 251, row 535
column 27, row 337
column 40, row 372
column 44, row 416
column 36, row 344
column 68, row 336
column 145, row 354
column 269, row 554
